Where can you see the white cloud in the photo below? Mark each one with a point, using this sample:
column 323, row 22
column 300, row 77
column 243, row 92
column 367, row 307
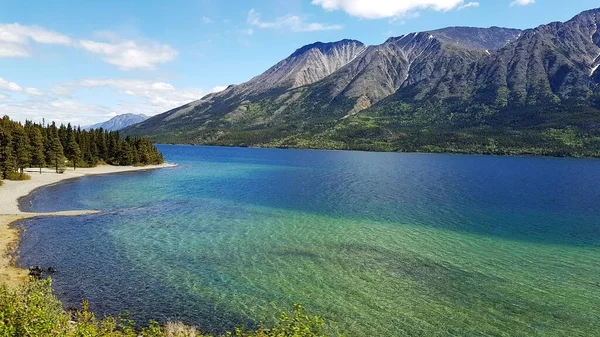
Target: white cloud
column 132, row 96
column 13, row 50
column 33, row 92
column 129, row 55
column 59, row 110
column 9, row 86
column 378, row 9
column 15, row 39
column 2, row 97
column 19, row 34
column 522, row 3
column 206, row 20
column 292, row 22
column 14, row 87
column 469, row 5
column 156, row 97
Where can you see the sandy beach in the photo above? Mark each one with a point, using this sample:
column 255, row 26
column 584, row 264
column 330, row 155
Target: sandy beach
column 12, row 191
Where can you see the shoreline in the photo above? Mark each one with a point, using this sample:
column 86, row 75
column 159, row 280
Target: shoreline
column 12, row 191
column 450, row 153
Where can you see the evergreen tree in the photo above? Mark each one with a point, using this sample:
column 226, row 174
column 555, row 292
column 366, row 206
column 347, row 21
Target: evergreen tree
column 21, row 148
column 6, row 151
column 55, row 149
column 102, row 145
column 73, row 152
column 125, row 156
column 36, row 143
column 72, row 149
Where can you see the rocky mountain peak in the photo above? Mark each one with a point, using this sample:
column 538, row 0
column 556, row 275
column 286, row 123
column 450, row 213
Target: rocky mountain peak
column 325, row 48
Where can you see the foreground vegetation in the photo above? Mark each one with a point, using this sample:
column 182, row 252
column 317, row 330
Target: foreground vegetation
column 33, row 311
column 55, row 146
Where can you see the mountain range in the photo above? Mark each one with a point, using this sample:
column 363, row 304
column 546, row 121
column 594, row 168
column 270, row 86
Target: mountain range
column 119, row 122
column 458, row 89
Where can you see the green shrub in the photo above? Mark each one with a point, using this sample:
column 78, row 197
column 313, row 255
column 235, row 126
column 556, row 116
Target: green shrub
column 18, row 176
column 33, row 311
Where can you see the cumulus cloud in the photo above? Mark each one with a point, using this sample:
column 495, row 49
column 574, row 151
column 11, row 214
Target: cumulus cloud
column 469, row 5
column 378, row 9
column 132, row 96
column 13, row 50
column 129, row 55
column 161, row 96
column 14, row 87
column 33, row 92
column 291, row 22
column 58, row 110
column 9, row 86
column 522, row 3
column 15, row 39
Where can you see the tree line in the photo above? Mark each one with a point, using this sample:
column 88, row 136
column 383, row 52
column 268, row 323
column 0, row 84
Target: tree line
column 36, row 145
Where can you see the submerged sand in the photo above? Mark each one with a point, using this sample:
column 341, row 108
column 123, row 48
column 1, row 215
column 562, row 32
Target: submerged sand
column 12, row 191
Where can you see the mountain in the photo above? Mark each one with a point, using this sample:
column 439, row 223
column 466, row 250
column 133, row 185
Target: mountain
column 119, row 122
column 457, row 89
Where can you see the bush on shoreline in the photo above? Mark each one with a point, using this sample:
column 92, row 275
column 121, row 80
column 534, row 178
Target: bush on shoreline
column 33, row 311
column 17, row 176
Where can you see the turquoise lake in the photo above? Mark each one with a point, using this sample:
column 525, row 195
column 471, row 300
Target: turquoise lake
column 378, row 244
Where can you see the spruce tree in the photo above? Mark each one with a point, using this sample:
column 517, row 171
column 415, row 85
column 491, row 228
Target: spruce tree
column 6, row 151
column 73, row 152
column 21, row 148
column 36, row 143
column 55, row 149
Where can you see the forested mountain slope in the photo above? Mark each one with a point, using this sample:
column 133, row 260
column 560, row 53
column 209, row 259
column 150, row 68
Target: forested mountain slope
column 458, row 89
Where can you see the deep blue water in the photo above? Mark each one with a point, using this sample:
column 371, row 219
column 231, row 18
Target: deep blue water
column 231, row 232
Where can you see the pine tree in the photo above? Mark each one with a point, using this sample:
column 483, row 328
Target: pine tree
column 6, row 151
column 55, row 148
column 114, row 148
column 101, row 145
column 73, row 152
column 21, row 148
column 125, row 154
column 36, row 143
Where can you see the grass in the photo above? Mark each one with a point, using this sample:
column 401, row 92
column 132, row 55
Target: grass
column 32, row 310
column 18, row 176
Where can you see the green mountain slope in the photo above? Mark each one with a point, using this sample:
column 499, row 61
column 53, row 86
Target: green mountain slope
column 458, row 89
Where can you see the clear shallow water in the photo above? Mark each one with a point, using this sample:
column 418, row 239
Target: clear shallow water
column 379, row 244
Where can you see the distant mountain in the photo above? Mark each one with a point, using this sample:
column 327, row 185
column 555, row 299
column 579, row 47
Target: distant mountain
column 457, row 89
column 119, row 122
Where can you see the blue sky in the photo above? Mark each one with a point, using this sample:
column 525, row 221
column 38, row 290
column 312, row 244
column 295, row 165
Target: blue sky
column 86, row 61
